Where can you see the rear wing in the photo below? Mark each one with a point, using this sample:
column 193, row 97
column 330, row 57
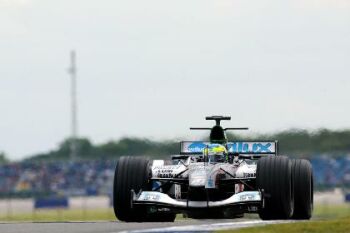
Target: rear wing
column 240, row 147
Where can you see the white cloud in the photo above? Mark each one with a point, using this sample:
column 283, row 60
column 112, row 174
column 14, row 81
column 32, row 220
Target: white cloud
column 322, row 4
column 12, row 17
column 15, row 3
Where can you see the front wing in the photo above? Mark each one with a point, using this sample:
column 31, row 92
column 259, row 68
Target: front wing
column 163, row 200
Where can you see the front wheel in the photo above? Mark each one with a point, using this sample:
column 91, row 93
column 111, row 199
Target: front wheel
column 274, row 177
column 133, row 173
column 130, row 173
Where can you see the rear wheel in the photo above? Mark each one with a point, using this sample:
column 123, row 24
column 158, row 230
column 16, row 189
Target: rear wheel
column 303, row 189
column 274, row 177
column 133, row 173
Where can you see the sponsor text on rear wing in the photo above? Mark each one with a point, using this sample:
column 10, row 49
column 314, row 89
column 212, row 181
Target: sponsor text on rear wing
column 240, row 147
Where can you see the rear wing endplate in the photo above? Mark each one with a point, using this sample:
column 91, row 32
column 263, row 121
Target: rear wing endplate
column 240, row 147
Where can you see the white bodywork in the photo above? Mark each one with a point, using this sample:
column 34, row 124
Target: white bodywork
column 163, row 199
column 200, row 174
column 203, row 174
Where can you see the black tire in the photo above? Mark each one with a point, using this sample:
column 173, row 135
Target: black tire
column 274, row 177
column 303, row 189
column 133, row 173
column 130, row 173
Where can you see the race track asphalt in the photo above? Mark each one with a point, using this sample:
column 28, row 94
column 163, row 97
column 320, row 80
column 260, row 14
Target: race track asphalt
column 112, row 227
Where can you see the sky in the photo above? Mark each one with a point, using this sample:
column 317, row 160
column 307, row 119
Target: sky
column 154, row 68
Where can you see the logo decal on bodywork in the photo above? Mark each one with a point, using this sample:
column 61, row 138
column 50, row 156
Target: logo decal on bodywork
column 149, row 196
column 196, row 147
column 245, row 147
column 242, row 147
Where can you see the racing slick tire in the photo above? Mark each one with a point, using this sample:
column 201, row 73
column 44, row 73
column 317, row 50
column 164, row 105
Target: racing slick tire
column 132, row 173
column 274, row 178
column 303, row 189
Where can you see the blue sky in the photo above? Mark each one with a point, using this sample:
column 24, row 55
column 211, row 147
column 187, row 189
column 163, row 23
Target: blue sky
column 154, row 68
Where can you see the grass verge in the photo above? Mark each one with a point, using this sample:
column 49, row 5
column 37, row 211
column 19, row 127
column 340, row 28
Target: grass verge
column 327, row 218
column 331, row 211
column 62, row 215
column 322, row 226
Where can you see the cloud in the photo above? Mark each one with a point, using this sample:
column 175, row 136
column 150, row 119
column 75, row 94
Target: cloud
column 12, row 20
column 15, row 3
column 322, row 4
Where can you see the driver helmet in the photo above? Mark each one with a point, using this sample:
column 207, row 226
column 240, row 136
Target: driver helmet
column 216, row 153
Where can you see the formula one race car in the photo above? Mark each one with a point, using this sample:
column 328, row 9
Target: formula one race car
column 215, row 179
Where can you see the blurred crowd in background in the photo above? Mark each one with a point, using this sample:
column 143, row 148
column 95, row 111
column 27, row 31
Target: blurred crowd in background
column 25, row 179
column 331, row 172
column 95, row 177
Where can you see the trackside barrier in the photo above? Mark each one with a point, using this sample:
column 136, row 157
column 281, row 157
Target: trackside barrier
column 51, row 202
column 347, row 197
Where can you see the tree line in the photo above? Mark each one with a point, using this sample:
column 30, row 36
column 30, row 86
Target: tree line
column 296, row 143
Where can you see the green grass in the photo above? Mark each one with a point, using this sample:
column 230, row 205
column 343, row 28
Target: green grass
column 323, row 226
column 64, row 215
column 61, row 215
column 331, row 211
column 335, row 219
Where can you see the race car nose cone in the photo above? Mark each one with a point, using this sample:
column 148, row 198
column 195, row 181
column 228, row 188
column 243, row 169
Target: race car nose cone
column 197, row 178
column 198, row 174
column 197, row 181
